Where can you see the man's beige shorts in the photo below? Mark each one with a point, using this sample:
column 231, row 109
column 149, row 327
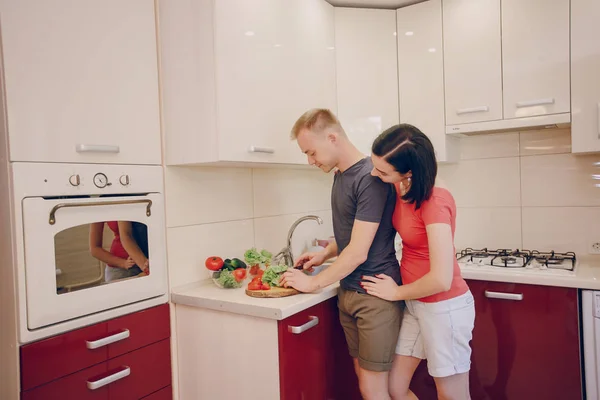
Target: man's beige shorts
column 371, row 326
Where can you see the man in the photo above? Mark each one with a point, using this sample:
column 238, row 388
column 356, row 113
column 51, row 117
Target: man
column 362, row 208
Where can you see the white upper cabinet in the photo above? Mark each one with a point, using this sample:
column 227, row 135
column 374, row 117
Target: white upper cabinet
column 472, row 61
column 421, row 74
column 535, row 57
column 81, row 81
column 237, row 74
column 366, row 71
column 585, row 75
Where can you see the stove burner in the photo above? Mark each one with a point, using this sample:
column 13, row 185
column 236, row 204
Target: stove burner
column 509, row 260
column 480, row 255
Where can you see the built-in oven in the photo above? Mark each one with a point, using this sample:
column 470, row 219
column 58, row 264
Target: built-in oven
column 91, row 243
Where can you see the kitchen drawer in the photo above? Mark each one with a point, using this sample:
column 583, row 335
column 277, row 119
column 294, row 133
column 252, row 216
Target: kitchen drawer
column 73, row 386
column 150, row 370
column 162, row 394
column 55, row 357
column 145, row 327
column 58, row 356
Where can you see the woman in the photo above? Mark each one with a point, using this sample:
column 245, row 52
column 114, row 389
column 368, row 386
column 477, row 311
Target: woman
column 119, row 263
column 440, row 312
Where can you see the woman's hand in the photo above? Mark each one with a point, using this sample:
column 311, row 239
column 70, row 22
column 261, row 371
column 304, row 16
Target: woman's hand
column 126, row 263
column 381, row 286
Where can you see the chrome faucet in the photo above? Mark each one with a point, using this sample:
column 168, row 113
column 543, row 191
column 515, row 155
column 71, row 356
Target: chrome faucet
column 286, row 252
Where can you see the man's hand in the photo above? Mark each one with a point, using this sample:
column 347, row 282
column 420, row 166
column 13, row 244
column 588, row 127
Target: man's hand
column 310, row 260
column 298, row 280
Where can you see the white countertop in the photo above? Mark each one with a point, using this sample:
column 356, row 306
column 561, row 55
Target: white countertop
column 206, row 295
column 587, row 275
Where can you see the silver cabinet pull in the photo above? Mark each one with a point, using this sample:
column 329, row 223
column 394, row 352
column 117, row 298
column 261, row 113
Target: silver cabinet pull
column 313, row 321
column 531, row 103
column 107, row 340
column 472, row 110
column 126, row 371
column 96, row 148
column 504, row 296
column 256, row 149
column 52, row 218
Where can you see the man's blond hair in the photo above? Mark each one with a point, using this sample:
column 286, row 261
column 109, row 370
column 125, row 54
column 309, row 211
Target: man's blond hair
column 317, row 120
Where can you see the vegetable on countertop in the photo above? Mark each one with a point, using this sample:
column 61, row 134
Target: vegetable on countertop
column 254, row 257
column 227, row 279
column 233, row 264
column 214, row 263
column 257, row 284
column 273, row 274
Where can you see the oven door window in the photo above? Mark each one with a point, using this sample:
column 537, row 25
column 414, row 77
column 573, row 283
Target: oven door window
column 87, row 255
column 99, row 253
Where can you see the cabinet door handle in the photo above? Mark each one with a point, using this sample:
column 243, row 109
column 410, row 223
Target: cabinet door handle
column 257, row 149
column 531, row 103
column 504, row 296
column 313, row 321
column 107, row 340
column 471, row 110
column 96, row 148
column 93, row 385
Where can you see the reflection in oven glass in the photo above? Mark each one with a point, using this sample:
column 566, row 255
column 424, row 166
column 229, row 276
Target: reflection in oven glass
column 100, row 253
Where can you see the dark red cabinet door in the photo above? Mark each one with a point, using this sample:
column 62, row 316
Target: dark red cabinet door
column 527, row 346
column 303, row 355
column 52, row 358
column 145, row 327
column 162, row 394
column 150, row 370
column 73, row 386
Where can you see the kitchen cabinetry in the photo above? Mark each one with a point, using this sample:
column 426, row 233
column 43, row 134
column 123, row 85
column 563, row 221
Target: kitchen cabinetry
column 81, row 81
column 535, row 57
column 366, row 73
column 525, row 342
column 421, row 74
column 125, row 358
column 472, row 61
column 585, row 76
column 303, row 356
column 236, row 75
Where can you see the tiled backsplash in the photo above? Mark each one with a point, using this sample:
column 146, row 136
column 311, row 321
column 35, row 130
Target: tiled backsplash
column 224, row 211
column 513, row 190
column 525, row 190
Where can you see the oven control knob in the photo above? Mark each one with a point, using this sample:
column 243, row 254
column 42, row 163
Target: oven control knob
column 74, row 180
column 124, row 179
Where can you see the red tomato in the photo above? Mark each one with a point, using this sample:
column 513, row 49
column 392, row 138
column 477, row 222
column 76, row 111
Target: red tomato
column 214, row 263
column 254, row 269
column 265, row 286
column 254, row 286
column 239, row 274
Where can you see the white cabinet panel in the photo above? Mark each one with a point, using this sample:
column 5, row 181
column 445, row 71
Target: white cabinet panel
column 366, row 72
column 535, row 52
column 421, row 74
column 81, row 81
column 472, row 61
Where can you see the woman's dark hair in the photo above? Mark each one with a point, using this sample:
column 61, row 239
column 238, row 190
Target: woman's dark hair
column 406, row 148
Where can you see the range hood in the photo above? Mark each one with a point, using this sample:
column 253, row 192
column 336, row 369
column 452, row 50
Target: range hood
column 561, row 120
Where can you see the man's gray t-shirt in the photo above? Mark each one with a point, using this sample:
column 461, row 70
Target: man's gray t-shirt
column 356, row 194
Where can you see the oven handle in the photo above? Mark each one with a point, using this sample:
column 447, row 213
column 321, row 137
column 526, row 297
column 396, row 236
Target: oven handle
column 52, row 219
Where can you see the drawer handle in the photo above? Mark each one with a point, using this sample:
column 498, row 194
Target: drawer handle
column 126, row 371
column 531, row 103
column 256, row 149
column 313, row 321
column 96, row 148
column 504, row 296
column 472, row 110
column 107, row 340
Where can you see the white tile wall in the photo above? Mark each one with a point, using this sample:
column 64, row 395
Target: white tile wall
column 491, row 227
column 489, row 146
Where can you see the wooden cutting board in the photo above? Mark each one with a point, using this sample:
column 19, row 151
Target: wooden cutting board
column 272, row 293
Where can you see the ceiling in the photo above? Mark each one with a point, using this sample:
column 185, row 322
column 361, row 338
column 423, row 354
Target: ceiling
column 393, row 4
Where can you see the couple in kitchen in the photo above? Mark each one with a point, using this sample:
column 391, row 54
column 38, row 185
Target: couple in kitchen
column 393, row 315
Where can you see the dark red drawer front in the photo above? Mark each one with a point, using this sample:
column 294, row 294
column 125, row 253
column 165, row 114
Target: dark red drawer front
column 70, row 387
column 145, row 327
column 55, row 357
column 150, row 370
column 163, row 394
